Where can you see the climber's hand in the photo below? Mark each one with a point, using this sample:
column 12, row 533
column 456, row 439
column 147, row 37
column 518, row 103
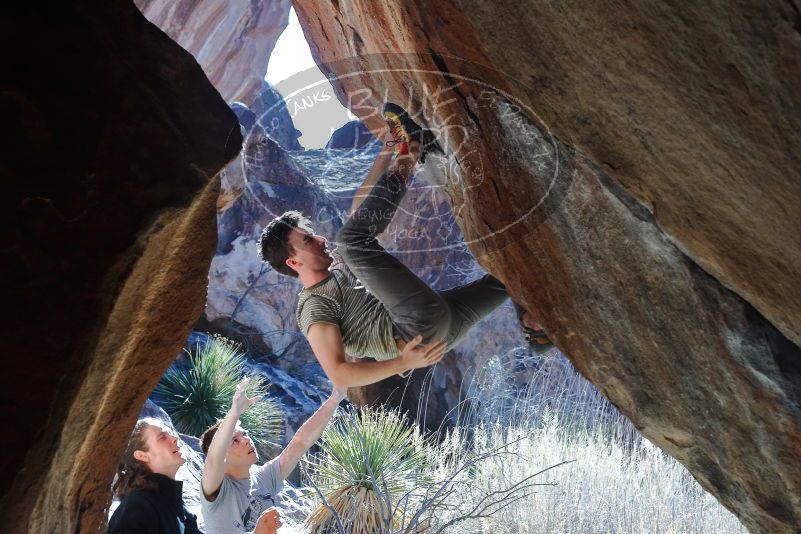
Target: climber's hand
column 415, row 355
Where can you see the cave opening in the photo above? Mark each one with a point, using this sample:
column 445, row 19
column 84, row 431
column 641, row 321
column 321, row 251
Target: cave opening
column 304, row 150
column 153, row 218
column 310, row 99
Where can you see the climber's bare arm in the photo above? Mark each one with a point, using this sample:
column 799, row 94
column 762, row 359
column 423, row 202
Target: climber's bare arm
column 380, row 166
column 401, row 164
column 326, row 342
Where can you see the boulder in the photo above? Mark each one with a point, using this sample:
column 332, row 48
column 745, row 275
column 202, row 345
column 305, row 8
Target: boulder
column 231, row 39
column 630, row 174
column 114, row 139
column 274, row 118
column 246, row 118
column 243, row 292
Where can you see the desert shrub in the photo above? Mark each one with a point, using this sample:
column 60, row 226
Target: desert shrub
column 368, row 465
column 197, row 395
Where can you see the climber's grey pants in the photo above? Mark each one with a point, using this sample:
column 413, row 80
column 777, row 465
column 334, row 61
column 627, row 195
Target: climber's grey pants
column 414, row 307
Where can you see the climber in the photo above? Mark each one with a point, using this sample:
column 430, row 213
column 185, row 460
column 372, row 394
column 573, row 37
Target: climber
column 235, row 495
column 360, row 300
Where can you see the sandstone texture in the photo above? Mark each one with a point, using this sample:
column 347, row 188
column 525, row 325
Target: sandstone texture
column 631, row 173
column 231, row 39
column 114, row 136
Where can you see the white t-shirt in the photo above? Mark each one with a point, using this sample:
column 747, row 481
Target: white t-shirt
column 240, row 502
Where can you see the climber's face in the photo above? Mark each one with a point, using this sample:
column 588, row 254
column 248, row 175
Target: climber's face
column 310, row 252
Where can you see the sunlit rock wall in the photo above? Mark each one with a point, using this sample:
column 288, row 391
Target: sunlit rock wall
column 231, row 39
column 631, row 173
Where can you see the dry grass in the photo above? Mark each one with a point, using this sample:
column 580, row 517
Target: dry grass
column 556, row 458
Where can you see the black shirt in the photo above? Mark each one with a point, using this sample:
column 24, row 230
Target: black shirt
column 154, row 512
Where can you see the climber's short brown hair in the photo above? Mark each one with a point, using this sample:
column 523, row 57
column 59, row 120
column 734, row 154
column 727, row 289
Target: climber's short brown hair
column 274, row 247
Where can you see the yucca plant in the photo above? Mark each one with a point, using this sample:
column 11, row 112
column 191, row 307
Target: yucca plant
column 369, row 464
column 195, row 397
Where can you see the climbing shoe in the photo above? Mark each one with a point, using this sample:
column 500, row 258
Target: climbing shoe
column 538, row 340
column 403, row 129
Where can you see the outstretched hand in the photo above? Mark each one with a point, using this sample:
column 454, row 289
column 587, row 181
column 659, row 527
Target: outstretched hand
column 241, row 401
column 415, row 355
column 269, row 522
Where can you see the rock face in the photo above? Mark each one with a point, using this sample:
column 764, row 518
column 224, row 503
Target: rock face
column 110, row 156
column 246, row 117
column 270, row 113
column 631, row 173
column 256, row 187
column 274, row 118
column 231, row 39
column 353, row 134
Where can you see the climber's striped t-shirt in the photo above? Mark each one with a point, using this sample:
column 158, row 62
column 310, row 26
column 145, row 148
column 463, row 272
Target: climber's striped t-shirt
column 364, row 323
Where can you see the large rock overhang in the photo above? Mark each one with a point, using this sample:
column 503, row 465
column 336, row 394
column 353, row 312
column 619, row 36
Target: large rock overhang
column 113, row 140
column 631, row 174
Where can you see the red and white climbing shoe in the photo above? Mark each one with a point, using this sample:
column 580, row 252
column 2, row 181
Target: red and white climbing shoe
column 403, row 129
